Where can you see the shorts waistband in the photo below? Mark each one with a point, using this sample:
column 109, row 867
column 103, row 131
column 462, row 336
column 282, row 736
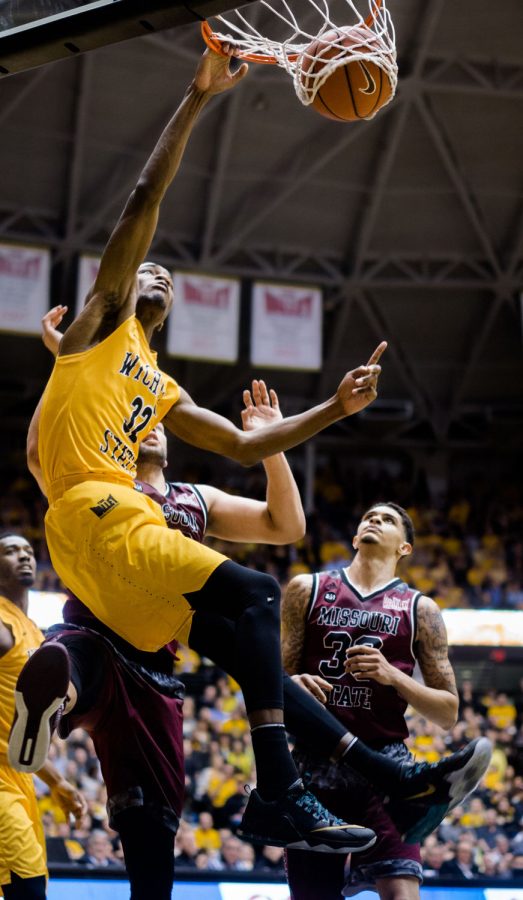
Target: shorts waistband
column 58, row 488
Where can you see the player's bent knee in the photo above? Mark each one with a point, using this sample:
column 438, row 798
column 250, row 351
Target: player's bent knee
column 398, row 888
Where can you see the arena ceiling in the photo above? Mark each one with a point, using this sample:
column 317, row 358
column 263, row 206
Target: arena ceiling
column 411, row 223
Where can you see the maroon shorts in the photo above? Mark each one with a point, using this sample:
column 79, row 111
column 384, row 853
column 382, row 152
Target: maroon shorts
column 135, row 722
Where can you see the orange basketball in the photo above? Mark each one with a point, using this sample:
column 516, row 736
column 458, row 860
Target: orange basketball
column 356, row 89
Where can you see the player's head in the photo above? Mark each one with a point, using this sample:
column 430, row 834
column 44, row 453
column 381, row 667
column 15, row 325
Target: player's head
column 155, row 294
column 17, row 562
column 385, row 529
column 153, row 449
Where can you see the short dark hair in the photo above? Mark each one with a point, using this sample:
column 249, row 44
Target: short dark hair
column 10, row 532
column 408, row 524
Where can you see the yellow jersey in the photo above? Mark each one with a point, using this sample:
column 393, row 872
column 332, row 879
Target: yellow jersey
column 98, row 406
column 27, row 639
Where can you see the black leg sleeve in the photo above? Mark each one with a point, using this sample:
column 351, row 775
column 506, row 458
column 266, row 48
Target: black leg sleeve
column 25, row 888
column 148, row 847
column 250, row 600
column 307, row 719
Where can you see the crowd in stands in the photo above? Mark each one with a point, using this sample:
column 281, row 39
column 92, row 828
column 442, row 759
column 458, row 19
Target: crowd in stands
column 482, row 838
column 469, row 539
column 468, row 553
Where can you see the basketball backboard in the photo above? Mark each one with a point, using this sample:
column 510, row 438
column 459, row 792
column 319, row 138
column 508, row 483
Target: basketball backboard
column 34, row 32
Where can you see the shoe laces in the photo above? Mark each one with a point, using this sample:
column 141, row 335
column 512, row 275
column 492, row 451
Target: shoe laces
column 312, row 805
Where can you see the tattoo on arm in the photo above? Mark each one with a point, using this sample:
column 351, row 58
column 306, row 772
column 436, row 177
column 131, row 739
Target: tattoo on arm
column 432, row 648
column 293, row 612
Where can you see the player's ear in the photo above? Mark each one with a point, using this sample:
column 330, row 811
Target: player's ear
column 405, row 549
column 355, row 542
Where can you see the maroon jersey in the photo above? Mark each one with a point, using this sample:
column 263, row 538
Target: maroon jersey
column 340, row 617
column 185, row 510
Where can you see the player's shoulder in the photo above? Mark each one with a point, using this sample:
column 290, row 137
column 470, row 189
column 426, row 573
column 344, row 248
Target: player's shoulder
column 300, row 586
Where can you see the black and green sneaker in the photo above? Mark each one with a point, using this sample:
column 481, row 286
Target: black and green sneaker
column 426, row 792
column 298, row 820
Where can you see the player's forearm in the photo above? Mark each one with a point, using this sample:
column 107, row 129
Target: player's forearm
column 165, row 159
column 439, row 706
column 49, row 775
column 289, row 432
column 284, row 505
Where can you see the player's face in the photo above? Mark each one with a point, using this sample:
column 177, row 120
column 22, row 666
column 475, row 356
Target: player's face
column 153, row 449
column 17, row 562
column 155, row 292
column 381, row 527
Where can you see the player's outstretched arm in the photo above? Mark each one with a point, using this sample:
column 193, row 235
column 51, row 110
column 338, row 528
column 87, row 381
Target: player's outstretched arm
column 113, row 295
column 210, row 431
column 278, row 520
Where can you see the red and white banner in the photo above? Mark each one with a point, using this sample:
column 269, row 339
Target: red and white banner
column 205, row 318
column 87, row 271
column 24, row 288
column 286, row 326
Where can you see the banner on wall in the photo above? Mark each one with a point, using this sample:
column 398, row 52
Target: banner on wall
column 286, row 326
column 205, row 318
column 87, row 271
column 484, row 627
column 24, row 288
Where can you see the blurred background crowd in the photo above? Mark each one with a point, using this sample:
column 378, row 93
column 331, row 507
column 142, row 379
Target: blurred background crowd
column 468, row 553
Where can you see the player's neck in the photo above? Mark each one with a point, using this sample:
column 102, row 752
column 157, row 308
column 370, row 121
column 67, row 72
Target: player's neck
column 18, row 595
column 152, row 475
column 368, row 572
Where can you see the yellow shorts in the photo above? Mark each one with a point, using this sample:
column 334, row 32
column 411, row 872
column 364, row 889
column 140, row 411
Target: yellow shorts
column 111, row 546
column 22, row 842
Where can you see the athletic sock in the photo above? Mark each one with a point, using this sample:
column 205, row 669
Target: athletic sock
column 377, row 768
column 275, row 769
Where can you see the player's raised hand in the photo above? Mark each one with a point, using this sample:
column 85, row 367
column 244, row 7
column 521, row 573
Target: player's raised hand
column 213, row 75
column 261, row 407
column 50, row 322
column 360, row 386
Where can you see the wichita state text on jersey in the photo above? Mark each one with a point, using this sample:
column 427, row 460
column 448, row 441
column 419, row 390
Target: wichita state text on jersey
column 98, row 406
column 339, row 618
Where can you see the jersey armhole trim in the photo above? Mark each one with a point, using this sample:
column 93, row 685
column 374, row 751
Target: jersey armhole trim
column 414, row 624
column 101, row 343
column 313, row 594
column 203, row 506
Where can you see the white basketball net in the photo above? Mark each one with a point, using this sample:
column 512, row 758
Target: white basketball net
column 373, row 39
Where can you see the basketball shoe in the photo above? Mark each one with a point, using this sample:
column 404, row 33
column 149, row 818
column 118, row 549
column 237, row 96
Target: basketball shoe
column 299, row 821
column 426, row 792
column 40, row 698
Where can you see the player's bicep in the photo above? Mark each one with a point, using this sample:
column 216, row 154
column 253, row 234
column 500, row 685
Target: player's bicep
column 294, row 607
column 432, row 648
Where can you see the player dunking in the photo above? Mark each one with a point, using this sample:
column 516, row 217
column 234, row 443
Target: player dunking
column 356, row 633
column 110, row 544
column 144, row 807
column 129, row 700
column 23, row 867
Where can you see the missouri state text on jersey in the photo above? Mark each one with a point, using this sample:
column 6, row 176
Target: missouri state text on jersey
column 339, row 618
column 98, row 406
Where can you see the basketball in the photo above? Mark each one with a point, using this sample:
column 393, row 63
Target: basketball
column 356, row 89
